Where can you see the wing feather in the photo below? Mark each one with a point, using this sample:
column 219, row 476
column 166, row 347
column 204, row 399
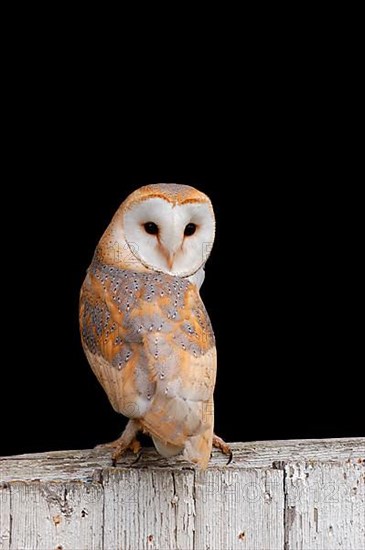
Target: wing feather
column 149, row 341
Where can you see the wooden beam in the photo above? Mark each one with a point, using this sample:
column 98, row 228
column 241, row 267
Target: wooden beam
column 274, row 495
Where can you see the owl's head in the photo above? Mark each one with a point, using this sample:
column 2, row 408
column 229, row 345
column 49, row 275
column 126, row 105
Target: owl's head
column 168, row 228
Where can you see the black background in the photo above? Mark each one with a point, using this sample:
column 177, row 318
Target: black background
column 280, row 289
column 283, row 283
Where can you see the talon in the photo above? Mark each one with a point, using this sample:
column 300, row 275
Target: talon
column 139, row 456
column 117, row 454
column 223, row 447
column 120, row 448
column 135, row 446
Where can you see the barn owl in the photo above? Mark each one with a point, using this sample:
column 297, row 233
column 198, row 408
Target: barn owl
column 144, row 328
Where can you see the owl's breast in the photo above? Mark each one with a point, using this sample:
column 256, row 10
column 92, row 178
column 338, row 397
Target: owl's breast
column 146, row 335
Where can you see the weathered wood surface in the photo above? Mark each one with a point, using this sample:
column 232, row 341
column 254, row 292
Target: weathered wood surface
column 287, row 495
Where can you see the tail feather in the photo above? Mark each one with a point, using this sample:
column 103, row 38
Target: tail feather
column 199, row 448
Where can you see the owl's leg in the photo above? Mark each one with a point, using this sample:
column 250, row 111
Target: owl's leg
column 218, row 443
column 127, row 440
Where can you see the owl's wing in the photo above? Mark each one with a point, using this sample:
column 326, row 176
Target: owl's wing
column 114, row 345
column 149, row 341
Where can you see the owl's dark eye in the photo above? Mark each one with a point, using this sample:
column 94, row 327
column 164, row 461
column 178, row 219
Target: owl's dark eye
column 151, row 228
column 190, row 229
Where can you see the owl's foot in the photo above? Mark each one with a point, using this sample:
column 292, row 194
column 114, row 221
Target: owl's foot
column 218, row 443
column 120, row 447
column 127, row 440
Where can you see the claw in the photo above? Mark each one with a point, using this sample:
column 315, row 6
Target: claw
column 139, row 456
column 224, row 447
column 121, row 448
column 230, row 458
column 127, row 440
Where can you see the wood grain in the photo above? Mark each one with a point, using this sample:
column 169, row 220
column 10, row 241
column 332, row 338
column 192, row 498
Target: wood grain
column 286, row 495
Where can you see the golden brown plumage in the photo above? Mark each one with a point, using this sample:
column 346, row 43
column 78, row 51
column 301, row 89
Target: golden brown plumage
column 145, row 330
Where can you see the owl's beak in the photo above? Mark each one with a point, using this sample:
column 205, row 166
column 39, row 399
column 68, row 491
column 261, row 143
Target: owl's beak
column 170, row 245
column 169, row 256
column 170, row 260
